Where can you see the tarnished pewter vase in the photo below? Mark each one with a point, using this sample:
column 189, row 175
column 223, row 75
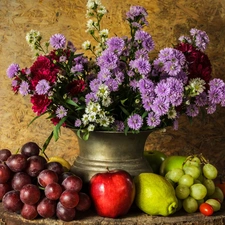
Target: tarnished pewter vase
column 111, row 150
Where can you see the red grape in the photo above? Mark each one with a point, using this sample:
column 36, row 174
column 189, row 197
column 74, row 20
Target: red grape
column 11, row 201
column 30, row 149
column 17, row 162
column 4, row 188
column 73, row 182
column 30, row 194
column 56, row 167
column 29, row 212
column 19, row 180
column 4, row 154
column 46, row 177
column 84, row 202
column 64, row 213
column 53, row 191
column 35, row 165
column 46, row 208
column 69, row 199
column 5, row 173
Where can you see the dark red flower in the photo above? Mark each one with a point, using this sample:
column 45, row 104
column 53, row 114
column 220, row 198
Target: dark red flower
column 76, row 87
column 43, row 68
column 40, row 103
column 198, row 62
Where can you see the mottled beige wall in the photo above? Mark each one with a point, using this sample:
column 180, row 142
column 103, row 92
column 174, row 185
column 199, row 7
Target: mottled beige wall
column 168, row 20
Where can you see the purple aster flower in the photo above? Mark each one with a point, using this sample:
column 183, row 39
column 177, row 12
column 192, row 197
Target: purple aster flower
column 115, row 44
column 192, row 110
column 91, row 97
column 119, row 125
column 136, row 12
column 42, row 87
column 215, row 95
column 61, row 112
column 94, row 84
column 112, row 84
column 176, row 88
column 143, row 66
column 162, row 88
column 160, row 106
column 142, row 53
column 147, row 102
column 216, row 83
column 24, row 88
column 211, row 108
column 201, row 99
column 135, row 122
column 12, row 70
column 107, row 60
column 77, row 123
column 104, row 74
column 58, row 41
column 144, row 38
column 153, row 120
column 146, row 84
column 201, row 38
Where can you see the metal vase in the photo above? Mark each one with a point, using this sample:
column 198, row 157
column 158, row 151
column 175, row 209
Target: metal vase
column 111, row 150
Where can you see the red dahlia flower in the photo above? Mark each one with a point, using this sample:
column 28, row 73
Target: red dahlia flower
column 40, row 103
column 198, row 62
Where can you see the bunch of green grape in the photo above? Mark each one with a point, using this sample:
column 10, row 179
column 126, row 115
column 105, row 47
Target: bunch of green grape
column 194, row 183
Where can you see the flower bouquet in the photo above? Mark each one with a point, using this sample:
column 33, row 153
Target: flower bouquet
column 121, row 87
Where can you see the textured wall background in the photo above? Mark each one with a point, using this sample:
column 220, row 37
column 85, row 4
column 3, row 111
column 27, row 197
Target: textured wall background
column 168, row 20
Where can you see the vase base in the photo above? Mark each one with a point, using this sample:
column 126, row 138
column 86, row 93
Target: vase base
column 85, row 168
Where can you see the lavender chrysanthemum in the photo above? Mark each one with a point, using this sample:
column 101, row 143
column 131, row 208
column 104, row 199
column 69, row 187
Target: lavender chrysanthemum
column 77, row 123
column 192, row 110
column 153, row 120
column 58, row 41
column 119, row 125
column 143, row 66
column 135, row 122
column 160, row 106
column 61, row 112
column 107, row 60
column 12, row 70
column 42, row 87
column 24, row 88
column 145, row 39
column 136, row 11
column 115, row 44
column 200, row 37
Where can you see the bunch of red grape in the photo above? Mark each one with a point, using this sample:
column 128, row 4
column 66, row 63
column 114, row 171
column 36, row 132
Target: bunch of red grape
column 33, row 187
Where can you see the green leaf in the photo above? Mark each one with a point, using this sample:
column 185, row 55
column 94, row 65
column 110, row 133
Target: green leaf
column 71, row 102
column 86, row 136
column 144, row 114
column 123, row 101
column 124, row 110
column 47, row 142
column 56, row 129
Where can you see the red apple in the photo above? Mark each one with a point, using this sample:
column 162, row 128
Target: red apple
column 112, row 193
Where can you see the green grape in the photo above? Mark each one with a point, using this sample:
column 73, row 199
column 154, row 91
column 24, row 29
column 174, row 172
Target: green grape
column 201, row 177
column 190, row 205
column 198, row 191
column 195, row 161
column 209, row 171
column 174, row 174
column 196, row 181
column 192, row 170
column 210, row 186
column 182, row 191
column 186, row 179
